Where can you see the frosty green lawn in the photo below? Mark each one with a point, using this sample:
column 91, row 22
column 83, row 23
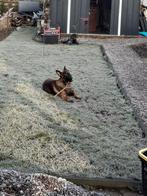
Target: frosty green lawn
column 97, row 136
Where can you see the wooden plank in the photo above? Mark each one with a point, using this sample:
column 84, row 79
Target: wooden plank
column 107, row 183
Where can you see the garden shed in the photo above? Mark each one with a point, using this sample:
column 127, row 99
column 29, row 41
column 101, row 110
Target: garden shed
column 116, row 17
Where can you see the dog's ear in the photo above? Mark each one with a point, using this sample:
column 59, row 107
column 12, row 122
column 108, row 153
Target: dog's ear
column 64, row 68
column 59, row 73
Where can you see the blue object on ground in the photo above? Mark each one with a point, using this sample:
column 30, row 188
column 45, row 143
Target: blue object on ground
column 143, row 33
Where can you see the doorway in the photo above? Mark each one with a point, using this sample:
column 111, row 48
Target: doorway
column 100, row 16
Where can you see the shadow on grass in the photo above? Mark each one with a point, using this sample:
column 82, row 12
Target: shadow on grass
column 140, row 49
column 64, row 136
column 11, row 163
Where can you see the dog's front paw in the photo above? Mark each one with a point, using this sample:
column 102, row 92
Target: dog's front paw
column 79, row 98
column 70, row 101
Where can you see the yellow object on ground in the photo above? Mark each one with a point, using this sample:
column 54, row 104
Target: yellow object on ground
column 142, row 155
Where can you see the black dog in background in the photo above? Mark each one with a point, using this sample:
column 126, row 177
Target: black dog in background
column 71, row 40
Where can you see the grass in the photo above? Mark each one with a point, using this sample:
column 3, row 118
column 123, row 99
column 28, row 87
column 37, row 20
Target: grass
column 41, row 135
column 97, row 136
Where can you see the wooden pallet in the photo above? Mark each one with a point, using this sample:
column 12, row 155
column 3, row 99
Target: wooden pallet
column 105, row 183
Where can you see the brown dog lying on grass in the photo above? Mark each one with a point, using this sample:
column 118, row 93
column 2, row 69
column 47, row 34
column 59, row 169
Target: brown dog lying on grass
column 61, row 87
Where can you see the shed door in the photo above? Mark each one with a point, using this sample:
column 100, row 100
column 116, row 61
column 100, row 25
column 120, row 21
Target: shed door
column 80, row 16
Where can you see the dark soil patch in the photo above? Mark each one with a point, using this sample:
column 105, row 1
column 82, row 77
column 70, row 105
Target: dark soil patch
column 141, row 49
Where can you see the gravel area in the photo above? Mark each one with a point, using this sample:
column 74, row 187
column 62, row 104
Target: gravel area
column 97, row 136
column 13, row 183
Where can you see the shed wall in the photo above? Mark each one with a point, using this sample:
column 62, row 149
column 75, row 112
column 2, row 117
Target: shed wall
column 114, row 17
column 130, row 17
column 79, row 14
column 59, row 14
column 80, row 11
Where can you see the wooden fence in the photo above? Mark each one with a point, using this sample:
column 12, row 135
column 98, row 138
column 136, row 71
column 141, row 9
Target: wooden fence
column 4, row 23
column 5, row 26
